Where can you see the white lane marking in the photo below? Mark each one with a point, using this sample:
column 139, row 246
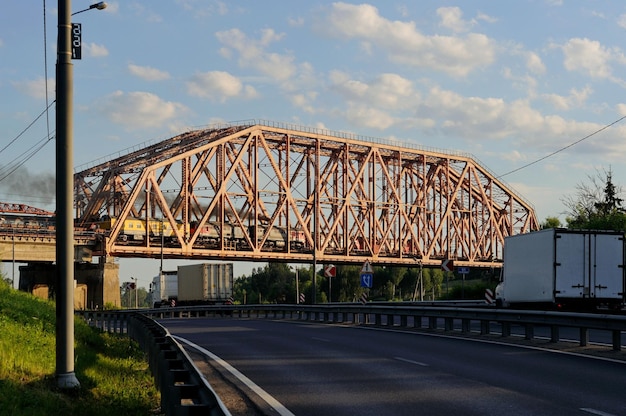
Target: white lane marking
column 320, row 339
column 596, row 412
column 410, row 361
column 278, row 406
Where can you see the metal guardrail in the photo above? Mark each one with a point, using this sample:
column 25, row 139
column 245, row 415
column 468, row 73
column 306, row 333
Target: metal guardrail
column 184, row 391
column 411, row 316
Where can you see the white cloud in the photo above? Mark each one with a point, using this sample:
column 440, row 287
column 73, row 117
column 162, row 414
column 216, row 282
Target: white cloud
column 148, row 73
column 219, row 86
column 95, row 50
column 486, row 18
column 388, row 91
column 534, row 63
column 253, row 53
column 405, row 45
column 363, row 115
column 621, row 21
column 36, row 88
column 452, row 18
column 588, row 57
column 575, row 99
column 139, row 110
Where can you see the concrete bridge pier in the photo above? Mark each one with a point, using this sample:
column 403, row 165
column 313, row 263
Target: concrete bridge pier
column 96, row 285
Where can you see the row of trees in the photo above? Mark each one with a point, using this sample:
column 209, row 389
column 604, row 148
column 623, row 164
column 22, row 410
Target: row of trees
column 280, row 283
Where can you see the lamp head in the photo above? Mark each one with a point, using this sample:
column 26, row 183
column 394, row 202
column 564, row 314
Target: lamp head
column 100, row 6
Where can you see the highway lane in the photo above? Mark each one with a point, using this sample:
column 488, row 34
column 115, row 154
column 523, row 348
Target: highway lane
column 318, row 369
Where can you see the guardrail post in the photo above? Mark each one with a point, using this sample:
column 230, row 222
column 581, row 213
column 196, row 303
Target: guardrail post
column 448, row 324
column 584, row 337
column 554, row 334
column 417, row 321
column 403, row 321
column 530, row 331
column 617, row 340
column 484, row 327
column 506, row 329
column 432, row 322
column 378, row 319
column 465, row 326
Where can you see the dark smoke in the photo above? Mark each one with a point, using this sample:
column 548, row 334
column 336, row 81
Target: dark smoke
column 37, row 189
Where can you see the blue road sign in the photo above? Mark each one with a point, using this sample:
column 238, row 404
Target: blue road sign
column 367, row 279
column 463, row 270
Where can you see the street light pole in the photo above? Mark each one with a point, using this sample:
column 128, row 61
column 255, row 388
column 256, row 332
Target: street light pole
column 66, row 379
column 136, row 287
column 64, row 287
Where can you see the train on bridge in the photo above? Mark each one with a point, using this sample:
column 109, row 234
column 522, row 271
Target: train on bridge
column 135, row 231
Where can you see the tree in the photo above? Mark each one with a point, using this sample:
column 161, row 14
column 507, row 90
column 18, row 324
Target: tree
column 551, row 222
column 596, row 205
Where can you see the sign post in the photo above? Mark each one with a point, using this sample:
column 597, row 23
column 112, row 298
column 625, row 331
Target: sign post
column 367, row 275
column 329, row 272
column 463, row 271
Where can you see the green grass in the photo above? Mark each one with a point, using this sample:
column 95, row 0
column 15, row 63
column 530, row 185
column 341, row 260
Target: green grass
column 112, row 370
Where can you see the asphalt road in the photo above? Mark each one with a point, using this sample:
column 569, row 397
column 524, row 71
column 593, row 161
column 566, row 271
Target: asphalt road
column 318, row 369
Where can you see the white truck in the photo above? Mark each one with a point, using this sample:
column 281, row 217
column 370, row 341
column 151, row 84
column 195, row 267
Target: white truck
column 567, row 269
column 205, row 284
column 164, row 289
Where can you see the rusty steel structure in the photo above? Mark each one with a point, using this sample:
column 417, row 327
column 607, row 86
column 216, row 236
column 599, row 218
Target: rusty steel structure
column 11, row 208
column 264, row 191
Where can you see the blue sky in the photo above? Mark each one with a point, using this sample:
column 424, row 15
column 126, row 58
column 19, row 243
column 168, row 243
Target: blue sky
column 508, row 82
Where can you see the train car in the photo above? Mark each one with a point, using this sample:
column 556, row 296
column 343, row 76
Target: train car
column 234, row 237
column 25, row 222
column 135, row 231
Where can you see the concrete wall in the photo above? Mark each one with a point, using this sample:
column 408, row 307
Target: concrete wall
column 96, row 284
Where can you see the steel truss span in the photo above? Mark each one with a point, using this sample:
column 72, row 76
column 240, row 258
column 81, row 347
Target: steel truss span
column 264, row 191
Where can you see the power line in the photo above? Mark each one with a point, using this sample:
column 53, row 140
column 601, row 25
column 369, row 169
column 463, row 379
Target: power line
column 563, row 148
column 23, row 158
column 28, row 127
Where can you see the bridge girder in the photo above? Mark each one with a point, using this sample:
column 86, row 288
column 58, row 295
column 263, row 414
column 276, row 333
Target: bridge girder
column 345, row 198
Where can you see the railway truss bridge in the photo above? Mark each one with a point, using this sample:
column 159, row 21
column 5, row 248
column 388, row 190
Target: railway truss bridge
column 264, row 191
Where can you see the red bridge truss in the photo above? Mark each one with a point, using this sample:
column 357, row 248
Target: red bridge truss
column 265, row 191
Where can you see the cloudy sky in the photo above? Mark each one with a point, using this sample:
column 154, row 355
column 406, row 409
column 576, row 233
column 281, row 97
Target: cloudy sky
column 521, row 85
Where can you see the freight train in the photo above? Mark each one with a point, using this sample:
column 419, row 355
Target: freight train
column 135, row 230
column 24, row 222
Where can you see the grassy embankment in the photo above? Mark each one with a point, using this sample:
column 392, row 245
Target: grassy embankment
column 112, row 370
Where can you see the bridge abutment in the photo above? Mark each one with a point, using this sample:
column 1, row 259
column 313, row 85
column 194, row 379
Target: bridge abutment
column 96, row 285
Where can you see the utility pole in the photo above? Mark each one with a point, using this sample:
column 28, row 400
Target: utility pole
column 64, row 285
column 66, row 378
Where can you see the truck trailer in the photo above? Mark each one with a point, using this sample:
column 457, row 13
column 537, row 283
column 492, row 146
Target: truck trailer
column 205, row 284
column 164, row 289
column 566, row 269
